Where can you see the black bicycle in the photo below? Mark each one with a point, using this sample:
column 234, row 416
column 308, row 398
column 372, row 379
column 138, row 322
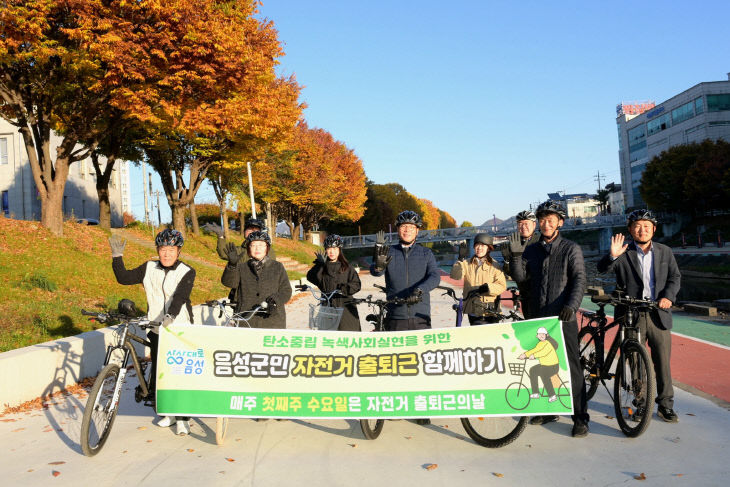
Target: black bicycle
column 371, row 428
column 489, row 431
column 103, row 403
column 634, row 385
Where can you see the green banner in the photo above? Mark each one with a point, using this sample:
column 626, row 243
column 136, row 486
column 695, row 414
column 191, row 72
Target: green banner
column 505, row 369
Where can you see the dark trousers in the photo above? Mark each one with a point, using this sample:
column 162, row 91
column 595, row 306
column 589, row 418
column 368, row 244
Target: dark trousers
column 660, row 347
column 482, row 320
column 544, row 372
column 408, row 324
column 154, row 339
column 577, row 381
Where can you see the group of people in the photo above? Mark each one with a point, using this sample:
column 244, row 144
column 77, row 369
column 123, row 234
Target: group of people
column 548, row 269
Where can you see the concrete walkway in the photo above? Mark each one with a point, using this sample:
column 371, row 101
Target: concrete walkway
column 42, row 446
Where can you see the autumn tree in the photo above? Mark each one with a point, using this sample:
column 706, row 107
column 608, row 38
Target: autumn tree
column 430, row 215
column 446, row 220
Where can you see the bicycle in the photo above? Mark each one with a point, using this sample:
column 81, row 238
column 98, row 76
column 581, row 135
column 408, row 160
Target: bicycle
column 322, row 316
column 634, row 385
column 231, row 319
column 103, row 403
column 490, row 431
column 371, row 428
column 518, row 394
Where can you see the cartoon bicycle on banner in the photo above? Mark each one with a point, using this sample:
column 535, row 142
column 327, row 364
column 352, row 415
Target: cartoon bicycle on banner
column 517, row 394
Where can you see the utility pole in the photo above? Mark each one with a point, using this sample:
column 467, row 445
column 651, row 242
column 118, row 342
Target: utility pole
column 598, row 178
column 144, row 189
column 250, row 191
column 159, row 218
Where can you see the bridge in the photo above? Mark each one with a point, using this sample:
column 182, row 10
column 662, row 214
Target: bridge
column 499, row 231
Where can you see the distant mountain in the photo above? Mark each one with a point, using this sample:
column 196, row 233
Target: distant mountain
column 491, row 222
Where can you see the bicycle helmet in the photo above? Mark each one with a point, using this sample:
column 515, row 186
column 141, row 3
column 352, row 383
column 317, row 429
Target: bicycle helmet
column 254, row 223
column 526, row 215
column 169, row 238
column 257, row 236
column 408, row 216
column 483, row 238
column 551, row 207
column 333, row 240
column 642, row 214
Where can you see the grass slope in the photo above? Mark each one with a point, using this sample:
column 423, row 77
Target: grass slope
column 47, row 280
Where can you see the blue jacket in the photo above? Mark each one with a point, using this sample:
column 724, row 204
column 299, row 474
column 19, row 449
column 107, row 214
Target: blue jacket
column 407, row 271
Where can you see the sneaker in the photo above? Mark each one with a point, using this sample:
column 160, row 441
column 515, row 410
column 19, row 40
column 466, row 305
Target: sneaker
column 423, row 421
column 580, row 429
column 553, row 398
column 534, row 396
column 166, row 421
column 543, row 419
column 182, row 427
column 667, row 414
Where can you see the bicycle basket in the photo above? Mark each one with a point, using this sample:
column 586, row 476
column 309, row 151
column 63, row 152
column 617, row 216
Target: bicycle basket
column 516, row 368
column 324, row 317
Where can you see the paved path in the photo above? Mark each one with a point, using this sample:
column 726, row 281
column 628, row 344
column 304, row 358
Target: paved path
column 42, row 446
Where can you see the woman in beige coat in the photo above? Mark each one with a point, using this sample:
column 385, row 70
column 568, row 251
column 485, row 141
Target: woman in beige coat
column 480, row 273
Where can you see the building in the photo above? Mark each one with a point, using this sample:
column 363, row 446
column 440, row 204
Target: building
column 615, row 204
column 80, row 200
column 581, row 205
column 645, row 130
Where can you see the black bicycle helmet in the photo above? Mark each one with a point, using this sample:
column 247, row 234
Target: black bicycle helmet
column 254, row 223
column 408, row 216
column 483, row 238
column 169, row 238
column 526, row 215
column 333, row 240
column 257, row 236
column 642, row 214
column 551, row 207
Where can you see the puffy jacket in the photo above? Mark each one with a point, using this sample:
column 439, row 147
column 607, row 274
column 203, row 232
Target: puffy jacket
column 524, row 287
column 409, row 269
column 474, row 275
column 167, row 288
column 253, row 287
column 555, row 273
column 329, row 277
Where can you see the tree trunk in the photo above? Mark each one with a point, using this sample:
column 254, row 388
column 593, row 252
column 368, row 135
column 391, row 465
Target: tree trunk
column 224, row 219
column 102, row 188
column 194, row 217
column 271, row 221
column 178, row 216
column 290, row 224
column 52, row 208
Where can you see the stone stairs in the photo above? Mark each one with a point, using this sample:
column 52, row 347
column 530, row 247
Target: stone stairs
column 292, row 265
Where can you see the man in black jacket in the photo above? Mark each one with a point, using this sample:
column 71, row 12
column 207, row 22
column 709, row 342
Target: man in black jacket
column 554, row 269
column 646, row 269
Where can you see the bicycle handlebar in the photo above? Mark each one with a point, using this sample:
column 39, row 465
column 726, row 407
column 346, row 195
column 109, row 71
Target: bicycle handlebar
column 143, row 323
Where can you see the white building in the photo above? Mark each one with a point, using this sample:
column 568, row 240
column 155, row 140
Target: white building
column 576, row 206
column 616, row 205
column 19, row 196
column 645, row 130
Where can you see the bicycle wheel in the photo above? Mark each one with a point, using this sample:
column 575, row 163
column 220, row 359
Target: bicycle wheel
column 371, row 428
column 564, row 395
column 221, row 426
column 517, row 396
column 587, row 344
column 494, row 431
column 634, row 389
column 100, row 412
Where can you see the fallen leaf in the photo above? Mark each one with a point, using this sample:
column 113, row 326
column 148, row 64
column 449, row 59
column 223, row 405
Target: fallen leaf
column 191, row 450
column 55, row 473
column 690, row 414
column 222, row 471
column 230, row 459
column 19, row 429
column 641, row 476
column 431, row 466
column 30, row 469
column 354, row 445
column 678, row 474
column 149, row 441
column 125, row 451
column 675, row 440
column 56, row 463
column 142, row 428
column 238, row 439
column 408, row 437
column 497, row 474
column 7, row 420
column 609, row 417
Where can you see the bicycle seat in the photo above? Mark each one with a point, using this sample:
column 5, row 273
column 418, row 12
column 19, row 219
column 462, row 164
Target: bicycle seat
column 603, row 299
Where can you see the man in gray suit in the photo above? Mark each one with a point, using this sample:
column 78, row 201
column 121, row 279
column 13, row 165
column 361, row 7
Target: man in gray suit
column 646, row 269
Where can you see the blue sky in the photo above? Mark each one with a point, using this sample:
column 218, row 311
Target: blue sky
column 484, row 107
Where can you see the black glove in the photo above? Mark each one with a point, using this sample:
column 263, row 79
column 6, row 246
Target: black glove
column 117, row 244
column 381, row 256
column 415, row 297
column 463, row 251
column 515, row 244
column 232, row 253
column 567, row 314
column 483, row 289
column 270, row 304
column 320, row 258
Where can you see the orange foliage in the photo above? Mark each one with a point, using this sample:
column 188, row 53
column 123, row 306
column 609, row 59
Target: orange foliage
column 430, row 214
